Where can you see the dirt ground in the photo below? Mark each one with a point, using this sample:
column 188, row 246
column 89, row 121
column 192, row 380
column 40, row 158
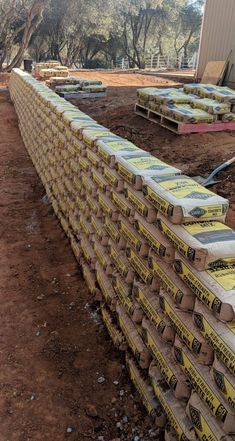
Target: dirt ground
column 53, row 346
column 195, row 154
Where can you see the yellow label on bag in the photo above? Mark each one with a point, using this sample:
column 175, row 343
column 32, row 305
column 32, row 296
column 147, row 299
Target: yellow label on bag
column 97, row 226
column 183, row 332
column 169, row 412
column 77, row 146
column 158, row 202
column 161, row 362
column 183, row 187
column 120, row 145
column 151, row 239
column 223, row 351
column 111, row 230
column 101, row 257
column 166, row 281
column 174, row 238
column 125, row 173
column 129, row 235
column 104, row 288
column 123, row 296
column 85, row 251
column 113, row 332
column 87, row 184
column 71, row 150
column 85, row 226
column 81, row 204
column 93, row 135
column 201, row 426
column 74, row 224
column 89, row 280
column 142, row 392
column 92, row 158
column 150, row 310
column 68, row 185
column 137, row 202
column 118, row 261
column 139, row 266
column 75, row 166
column 225, row 387
column 224, row 276
column 146, row 162
column 84, row 164
column 92, row 204
column 76, row 249
column 111, row 178
column 98, row 181
column 201, row 386
column 120, row 204
column 128, row 336
column 104, row 155
column 105, row 205
column 199, row 230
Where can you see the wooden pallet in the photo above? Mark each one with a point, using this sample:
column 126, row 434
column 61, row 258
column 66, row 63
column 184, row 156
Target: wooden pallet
column 181, row 128
column 81, row 95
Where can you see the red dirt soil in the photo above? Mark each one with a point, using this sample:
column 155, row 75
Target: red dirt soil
column 53, row 347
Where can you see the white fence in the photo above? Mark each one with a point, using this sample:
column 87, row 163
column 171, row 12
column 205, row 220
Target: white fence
column 160, row 62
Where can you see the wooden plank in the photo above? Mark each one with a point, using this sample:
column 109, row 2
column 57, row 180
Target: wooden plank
column 81, row 95
column 142, row 111
column 213, row 72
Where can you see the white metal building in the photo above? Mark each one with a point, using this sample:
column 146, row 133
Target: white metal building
column 218, row 36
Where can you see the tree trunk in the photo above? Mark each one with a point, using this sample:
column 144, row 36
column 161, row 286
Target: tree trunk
column 33, row 20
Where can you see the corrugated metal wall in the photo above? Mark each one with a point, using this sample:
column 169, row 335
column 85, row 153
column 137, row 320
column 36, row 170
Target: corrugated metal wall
column 218, row 35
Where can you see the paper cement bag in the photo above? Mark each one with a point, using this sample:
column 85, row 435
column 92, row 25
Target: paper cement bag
column 133, row 338
column 182, row 199
column 205, row 244
column 214, row 287
column 149, row 302
column 113, row 330
column 174, row 409
column 219, row 335
column 106, row 287
column 224, row 381
column 163, row 361
column 155, row 239
column 199, row 377
column 164, row 273
column 205, row 426
column 186, row 330
column 135, row 168
column 110, row 149
column 141, row 205
column 146, row 393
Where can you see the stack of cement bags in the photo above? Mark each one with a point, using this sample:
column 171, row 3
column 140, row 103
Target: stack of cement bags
column 193, row 104
column 156, row 254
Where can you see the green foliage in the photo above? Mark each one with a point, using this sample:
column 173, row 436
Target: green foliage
column 86, row 32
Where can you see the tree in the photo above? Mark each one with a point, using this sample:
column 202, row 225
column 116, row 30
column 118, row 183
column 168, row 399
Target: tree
column 19, row 20
column 186, row 25
column 79, row 32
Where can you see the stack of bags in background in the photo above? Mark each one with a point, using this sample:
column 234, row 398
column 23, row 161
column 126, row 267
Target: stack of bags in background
column 76, row 84
column 193, row 103
column 50, row 69
column 166, row 281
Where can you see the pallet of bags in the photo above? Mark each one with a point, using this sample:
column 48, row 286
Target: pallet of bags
column 211, row 106
column 186, row 113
